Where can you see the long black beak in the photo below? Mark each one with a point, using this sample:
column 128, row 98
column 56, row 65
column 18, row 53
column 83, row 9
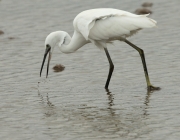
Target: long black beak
column 45, row 54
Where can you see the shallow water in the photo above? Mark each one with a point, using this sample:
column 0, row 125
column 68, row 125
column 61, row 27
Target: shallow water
column 73, row 104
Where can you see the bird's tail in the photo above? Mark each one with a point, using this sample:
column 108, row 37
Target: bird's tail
column 146, row 22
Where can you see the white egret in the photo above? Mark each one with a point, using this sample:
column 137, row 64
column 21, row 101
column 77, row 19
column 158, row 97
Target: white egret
column 100, row 26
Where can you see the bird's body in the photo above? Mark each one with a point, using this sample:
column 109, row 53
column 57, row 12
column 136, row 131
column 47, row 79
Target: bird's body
column 98, row 26
column 108, row 24
column 101, row 26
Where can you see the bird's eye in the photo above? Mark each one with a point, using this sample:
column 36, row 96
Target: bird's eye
column 64, row 40
column 47, row 46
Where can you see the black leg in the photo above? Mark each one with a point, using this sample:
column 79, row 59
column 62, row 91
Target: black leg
column 141, row 52
column 111, row 68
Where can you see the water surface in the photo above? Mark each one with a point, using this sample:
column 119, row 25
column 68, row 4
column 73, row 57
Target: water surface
column 73, row 104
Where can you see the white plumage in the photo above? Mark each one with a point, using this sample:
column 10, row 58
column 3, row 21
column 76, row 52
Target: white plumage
column 106, row 24
column 100, row 26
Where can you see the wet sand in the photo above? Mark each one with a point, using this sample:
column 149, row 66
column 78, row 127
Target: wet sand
column 73, row 104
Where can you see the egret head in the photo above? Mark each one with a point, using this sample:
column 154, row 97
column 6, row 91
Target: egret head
column 53, row 39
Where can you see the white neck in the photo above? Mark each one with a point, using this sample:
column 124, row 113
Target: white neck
column 75, row 43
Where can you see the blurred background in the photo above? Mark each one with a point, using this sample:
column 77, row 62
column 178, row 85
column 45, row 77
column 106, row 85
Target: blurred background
column 73, row 104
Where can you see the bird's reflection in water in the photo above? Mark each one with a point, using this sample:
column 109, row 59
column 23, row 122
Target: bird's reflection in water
column 41, row 97
column 146, row 102
column 48, row 102
column 111, row 102
column 48, row 106
column 43, row 100
column 110, row 97
column 148, row 95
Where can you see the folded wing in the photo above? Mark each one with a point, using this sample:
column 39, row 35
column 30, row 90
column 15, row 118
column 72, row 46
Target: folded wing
column 104, row 24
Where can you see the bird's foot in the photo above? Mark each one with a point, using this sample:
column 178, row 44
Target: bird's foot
column 152, row 88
